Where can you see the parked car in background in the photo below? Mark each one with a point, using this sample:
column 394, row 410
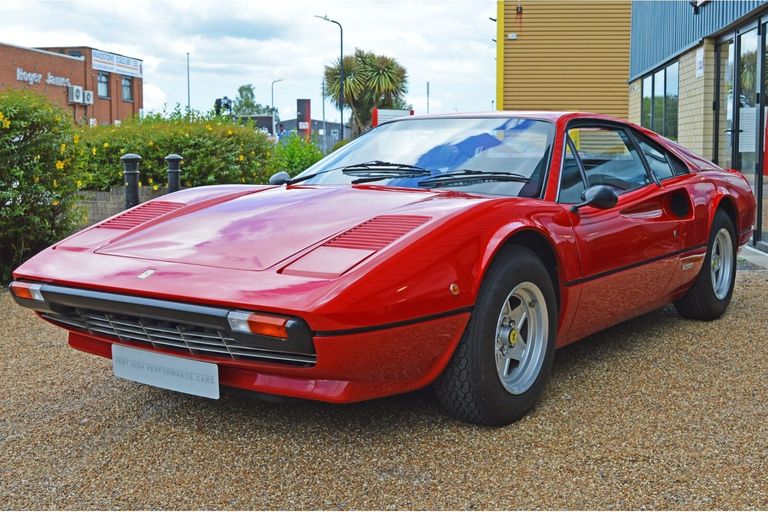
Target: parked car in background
column 457, row 250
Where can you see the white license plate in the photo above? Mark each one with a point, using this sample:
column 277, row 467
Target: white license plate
column 167, row 372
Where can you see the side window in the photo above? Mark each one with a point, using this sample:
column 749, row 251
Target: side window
column 657, row 161
column 662, row 164
column 571, row 183
column 609, row 157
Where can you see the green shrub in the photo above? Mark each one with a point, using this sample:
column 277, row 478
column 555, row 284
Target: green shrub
column 38, row 183
column 293, row 156
column 214, row 151
column 341, row 143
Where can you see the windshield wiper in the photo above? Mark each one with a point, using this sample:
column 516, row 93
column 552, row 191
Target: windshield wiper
column 371, row 171
column 471, row 176
column 378, row 170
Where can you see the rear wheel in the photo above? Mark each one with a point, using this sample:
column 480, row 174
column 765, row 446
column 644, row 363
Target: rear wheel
column 501, row 364
column 711, row 293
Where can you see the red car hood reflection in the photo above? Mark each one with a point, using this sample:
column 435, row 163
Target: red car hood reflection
column 259, row 230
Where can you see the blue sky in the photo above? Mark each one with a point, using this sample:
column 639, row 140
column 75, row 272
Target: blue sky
column 445, row 42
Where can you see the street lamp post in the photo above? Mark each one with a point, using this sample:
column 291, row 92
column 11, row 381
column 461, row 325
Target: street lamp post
column 341, row 71
column 273, row 103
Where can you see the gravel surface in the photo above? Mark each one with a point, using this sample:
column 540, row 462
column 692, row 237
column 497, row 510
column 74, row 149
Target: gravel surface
column 655, row 413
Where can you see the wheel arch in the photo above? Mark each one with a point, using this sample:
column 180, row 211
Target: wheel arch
column 536, row 241
column 728, row 205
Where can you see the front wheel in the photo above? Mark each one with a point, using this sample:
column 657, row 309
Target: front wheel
column 501, row 364
column 711, row 293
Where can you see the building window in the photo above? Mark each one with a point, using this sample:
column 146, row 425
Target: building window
column 103, row 85
column 127, row 88
column 659, row 106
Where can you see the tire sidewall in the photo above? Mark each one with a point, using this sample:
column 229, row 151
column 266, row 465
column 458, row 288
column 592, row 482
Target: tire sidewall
column 512, row 266
column 720, row 221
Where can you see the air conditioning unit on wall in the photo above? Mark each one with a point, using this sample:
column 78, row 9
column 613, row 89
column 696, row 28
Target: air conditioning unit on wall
column 88, row 97
column 75, row 94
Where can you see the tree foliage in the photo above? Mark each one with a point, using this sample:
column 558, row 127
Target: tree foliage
column 38, row 188
column 245, row 104
column 370, row 81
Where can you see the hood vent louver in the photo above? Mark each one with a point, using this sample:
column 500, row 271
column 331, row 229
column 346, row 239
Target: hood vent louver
column 377, row 233
column 141, row 214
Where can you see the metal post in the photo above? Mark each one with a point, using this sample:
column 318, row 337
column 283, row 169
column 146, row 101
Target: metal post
column 273, row 105
column 325, row 128
column 131, row 175
column 189, row 104
column 341, row 71
column 174, row 172
column 341, row 79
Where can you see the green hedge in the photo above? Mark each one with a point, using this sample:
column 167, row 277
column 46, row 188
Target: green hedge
column 44, row 161
column 293, row 156
column 213, row 151
column 38, row 185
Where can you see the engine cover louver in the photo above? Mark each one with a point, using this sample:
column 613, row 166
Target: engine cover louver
column 377, row 233
column 140, row 215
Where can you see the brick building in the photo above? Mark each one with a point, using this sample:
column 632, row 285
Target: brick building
column 96, row 87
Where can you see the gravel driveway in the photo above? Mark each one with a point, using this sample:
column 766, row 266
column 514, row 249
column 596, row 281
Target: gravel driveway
column 657, row 412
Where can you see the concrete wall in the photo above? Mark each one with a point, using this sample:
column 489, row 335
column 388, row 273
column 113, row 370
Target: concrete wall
column 695, row 115
column 101, row 205
column 635, row 101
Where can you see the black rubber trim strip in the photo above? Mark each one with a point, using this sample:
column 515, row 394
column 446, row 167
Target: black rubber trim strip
column 380, row 327
column 634, row 265
column 158, row 309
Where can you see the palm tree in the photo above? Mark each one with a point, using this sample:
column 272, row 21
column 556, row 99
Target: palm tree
column 370, row 81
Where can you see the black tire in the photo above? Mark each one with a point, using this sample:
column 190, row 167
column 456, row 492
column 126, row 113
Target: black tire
column 470, row 387
column 701, row 301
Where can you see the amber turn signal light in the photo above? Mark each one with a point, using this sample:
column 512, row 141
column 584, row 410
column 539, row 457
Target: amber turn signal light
column 254, row 323
column 27, row 291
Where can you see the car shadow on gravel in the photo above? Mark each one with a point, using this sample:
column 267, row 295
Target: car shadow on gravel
column 420, row 408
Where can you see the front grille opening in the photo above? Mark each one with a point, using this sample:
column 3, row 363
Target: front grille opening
column 174, row 336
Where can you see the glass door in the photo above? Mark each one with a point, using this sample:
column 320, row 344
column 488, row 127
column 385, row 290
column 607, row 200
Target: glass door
column 746, row 105
column 724, row 132
column 740, row 128
column 761, row 177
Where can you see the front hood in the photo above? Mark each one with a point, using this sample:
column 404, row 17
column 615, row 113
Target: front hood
column 259, row 230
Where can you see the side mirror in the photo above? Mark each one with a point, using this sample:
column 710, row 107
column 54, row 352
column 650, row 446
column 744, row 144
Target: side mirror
column 279, row 178
column 598, row 196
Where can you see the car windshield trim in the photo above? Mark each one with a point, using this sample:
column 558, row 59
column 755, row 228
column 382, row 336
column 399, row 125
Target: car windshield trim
column 471, row 175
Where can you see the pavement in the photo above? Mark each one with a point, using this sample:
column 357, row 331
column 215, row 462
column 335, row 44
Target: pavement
column 658, row 412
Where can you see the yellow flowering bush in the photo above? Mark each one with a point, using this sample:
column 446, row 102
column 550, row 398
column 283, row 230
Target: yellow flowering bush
column 220, row 152
column 38, row 178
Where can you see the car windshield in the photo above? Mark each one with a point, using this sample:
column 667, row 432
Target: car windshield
column 491, row 155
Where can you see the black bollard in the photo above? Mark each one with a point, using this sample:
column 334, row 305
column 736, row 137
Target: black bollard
column 174, row 172
column 131, row 174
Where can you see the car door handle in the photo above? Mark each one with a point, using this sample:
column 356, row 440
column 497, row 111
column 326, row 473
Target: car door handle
column 731, row 130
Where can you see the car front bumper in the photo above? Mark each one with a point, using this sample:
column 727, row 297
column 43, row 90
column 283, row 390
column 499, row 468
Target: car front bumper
column 336, row 367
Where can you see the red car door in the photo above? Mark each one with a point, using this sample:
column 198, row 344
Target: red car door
column 628, row 253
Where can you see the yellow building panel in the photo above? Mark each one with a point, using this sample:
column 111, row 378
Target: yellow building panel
column 563, row 55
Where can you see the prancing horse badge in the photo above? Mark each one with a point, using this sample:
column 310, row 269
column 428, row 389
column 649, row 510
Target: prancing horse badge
column 146, row 274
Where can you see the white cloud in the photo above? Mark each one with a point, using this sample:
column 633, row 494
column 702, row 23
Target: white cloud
column 447, row 43
column 154, row 98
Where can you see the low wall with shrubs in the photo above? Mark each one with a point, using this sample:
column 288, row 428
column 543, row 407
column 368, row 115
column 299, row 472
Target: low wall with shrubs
column 55, row 177
column 98, row 205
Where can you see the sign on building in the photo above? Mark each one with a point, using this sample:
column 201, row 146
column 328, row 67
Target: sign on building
column 113, row 63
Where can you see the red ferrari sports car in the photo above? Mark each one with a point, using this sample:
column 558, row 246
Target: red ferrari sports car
column 458, row 251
